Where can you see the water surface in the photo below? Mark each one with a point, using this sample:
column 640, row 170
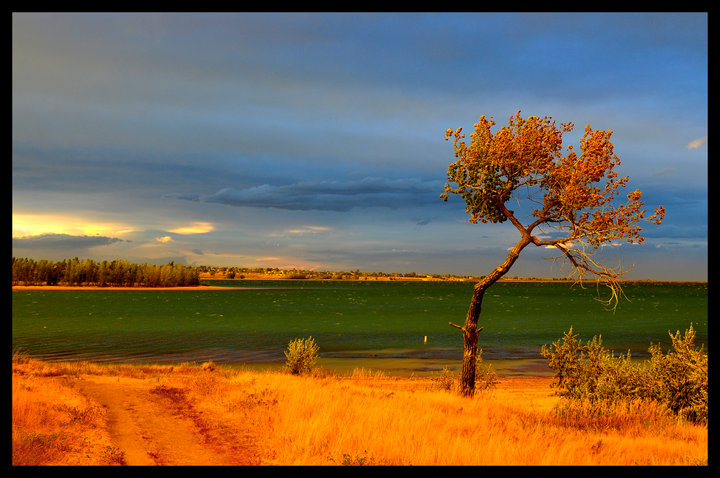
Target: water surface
column 377, row 325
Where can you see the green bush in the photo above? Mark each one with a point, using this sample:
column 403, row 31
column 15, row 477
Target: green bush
column 589, row 372
column 681, row 377
column 301, row 356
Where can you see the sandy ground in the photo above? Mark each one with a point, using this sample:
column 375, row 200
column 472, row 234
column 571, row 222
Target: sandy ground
column 152, row 423
column 156, row 425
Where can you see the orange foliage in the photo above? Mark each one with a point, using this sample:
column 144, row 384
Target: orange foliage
column 574, row 195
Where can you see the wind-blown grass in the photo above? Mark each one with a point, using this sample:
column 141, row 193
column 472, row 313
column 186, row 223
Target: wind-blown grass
column 363, row 419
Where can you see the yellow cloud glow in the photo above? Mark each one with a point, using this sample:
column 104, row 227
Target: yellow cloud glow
column 696, row 143
column 194, row 228
column 37, row 224
column 164, row 239
column 300, row 230
column 308, row 230
column 567, row 245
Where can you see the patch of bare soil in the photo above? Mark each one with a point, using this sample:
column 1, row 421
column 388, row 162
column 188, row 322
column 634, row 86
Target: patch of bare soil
column 157, row 425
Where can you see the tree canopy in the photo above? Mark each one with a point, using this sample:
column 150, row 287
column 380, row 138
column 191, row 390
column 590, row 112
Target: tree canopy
column 574, row 197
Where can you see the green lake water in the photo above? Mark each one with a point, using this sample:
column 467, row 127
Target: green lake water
column 373, row 325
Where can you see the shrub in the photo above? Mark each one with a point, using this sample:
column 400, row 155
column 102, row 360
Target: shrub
column 301, row 356
column 485, row 376
column 681, row 376
column 113, row 456
column 446, row 380
column 590, row 373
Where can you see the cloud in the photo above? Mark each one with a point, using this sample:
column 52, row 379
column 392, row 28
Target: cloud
column 567, row 245
column 329, row 195
column 62, row 241
column 194, row 228
column 696, row 143
column 664, row 172
column 164, row 239
column 35, row 224
column 187, row 197
column 302, row 230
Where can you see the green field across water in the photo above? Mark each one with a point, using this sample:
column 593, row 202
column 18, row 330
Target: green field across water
column 370, row 324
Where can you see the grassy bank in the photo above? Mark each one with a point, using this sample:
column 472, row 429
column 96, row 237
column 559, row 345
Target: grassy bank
column 360, row 419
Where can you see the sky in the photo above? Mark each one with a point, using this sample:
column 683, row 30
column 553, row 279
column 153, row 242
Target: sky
column 316, row 140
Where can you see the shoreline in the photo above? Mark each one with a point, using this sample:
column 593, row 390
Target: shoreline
column 504, row 374
column 389, row 367
column 212, row 287
column 93, row 287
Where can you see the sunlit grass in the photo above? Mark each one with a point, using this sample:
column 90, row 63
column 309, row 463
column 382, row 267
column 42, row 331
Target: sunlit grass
column 53, row 424
column 365, row 418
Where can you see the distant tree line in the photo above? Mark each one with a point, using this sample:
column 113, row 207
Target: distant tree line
column 116, row 273
column 122, row 273
column 241, row 272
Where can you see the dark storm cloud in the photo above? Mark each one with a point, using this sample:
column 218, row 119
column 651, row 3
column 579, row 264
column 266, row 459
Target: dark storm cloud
column 62, row 241
column 280, row 115
column 329, row 195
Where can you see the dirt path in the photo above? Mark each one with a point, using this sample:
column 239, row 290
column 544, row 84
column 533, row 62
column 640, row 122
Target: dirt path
column 155, row 425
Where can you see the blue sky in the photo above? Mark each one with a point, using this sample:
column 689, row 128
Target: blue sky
column 315, row 140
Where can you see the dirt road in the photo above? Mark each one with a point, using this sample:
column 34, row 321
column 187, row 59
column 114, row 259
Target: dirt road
column 156, row 425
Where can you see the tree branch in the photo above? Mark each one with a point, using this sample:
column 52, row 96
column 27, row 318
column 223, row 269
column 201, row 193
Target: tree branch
column 608, row 276
column 552, row 242
column 501, row 205
column 543, row 219
column 463, row 328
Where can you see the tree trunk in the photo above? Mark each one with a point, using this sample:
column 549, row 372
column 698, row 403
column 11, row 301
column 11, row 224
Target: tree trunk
column 470, row 340
column 470, row 329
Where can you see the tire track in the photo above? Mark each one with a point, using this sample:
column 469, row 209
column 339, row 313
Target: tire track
column 153, row 425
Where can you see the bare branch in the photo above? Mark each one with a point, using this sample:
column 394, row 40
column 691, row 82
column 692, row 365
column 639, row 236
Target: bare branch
column 480, row 329
column 609, row 276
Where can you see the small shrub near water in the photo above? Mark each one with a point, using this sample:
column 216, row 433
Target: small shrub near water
column 447, row 380
column 301, row 356
column 589, row 372
column 485, row 377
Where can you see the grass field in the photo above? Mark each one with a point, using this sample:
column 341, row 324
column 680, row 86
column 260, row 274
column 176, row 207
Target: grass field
column 272, row 418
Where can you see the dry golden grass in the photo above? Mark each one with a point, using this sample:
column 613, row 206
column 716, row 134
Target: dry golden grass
column 52, row 424
column 333, row 421
column 367, row 419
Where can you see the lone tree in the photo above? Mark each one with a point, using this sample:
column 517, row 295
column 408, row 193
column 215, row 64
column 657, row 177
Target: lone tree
column 572, row 197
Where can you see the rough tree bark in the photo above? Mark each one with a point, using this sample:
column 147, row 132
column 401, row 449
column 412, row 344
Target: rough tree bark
column 470, row 329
